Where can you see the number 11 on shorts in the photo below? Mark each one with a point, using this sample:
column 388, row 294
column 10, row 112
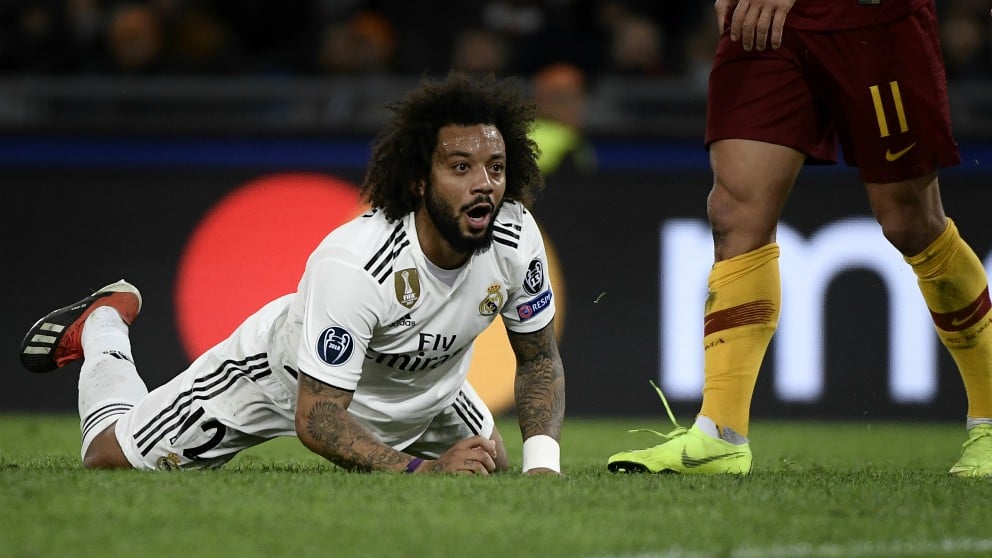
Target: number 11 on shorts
column 883, row 124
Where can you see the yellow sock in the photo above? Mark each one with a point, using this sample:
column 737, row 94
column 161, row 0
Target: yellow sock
column 956, row 290
column 742, row 310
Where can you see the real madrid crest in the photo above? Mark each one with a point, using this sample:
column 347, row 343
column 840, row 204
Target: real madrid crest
column 493, row 301
column 168, row 462
column 407, row 285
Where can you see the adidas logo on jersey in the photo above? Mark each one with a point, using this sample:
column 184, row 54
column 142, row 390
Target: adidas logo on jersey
column 405, row 321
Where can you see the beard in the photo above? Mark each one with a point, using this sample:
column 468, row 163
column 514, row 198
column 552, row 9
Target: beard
column 447, row 221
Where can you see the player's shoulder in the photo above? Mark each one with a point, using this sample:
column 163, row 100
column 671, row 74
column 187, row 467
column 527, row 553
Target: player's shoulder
column 370, row 242
column 514, row 226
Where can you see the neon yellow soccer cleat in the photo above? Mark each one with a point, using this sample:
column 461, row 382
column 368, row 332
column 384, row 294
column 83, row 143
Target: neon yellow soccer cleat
column 687, row 451
column 976, row 453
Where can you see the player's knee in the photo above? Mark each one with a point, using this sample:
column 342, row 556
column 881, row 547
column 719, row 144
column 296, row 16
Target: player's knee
column 105, row 452
column 731, row 214
column 718, row 209
column 908, row 237
column 738, row 227
column 897, row 235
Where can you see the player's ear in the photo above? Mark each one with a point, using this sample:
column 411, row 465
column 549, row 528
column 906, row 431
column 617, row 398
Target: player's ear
column 417, row 188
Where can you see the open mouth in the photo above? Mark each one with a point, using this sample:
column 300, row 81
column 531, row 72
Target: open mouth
column 479, row 215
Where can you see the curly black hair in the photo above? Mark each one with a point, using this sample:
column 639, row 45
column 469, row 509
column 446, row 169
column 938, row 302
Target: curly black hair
column 402, row 153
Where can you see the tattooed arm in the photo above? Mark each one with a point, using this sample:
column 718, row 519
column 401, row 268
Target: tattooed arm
column 539, row 387
column 324, row 425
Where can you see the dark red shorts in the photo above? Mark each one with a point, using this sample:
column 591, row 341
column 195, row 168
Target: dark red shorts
column 878, row 91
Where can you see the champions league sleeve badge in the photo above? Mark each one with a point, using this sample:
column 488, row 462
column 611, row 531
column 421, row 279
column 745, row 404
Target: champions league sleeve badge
column 534, row 278
column 335, row 345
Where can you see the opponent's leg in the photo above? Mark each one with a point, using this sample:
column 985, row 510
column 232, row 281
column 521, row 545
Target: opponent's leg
column 96, row 328
column 955, row 287
column 752, row 181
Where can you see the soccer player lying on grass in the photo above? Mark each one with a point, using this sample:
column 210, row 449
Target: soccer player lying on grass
column 367, row 361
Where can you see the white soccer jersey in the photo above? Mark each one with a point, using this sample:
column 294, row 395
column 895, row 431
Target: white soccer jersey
column 370, row 316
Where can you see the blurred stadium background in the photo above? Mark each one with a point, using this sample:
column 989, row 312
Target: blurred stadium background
column 201, row 149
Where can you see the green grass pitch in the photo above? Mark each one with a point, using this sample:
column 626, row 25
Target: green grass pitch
column 818, row 490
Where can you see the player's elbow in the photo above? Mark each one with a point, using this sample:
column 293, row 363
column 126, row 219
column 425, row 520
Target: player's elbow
column 303, row 429
column 318, row 438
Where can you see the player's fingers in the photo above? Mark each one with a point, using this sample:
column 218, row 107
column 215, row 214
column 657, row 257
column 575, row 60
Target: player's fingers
column 477, row 442
column 721, row 13
column 474, row 441
column 737, row 22
column 778, row 27
column 485, row 458
column 748, row 27
column 469, row 464
column 762, row 27
column 488, row 446
column 475, row 460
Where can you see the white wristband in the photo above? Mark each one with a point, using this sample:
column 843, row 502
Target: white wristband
column 541, row 451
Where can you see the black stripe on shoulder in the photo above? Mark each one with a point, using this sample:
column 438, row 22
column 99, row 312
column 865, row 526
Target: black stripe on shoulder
column 507, row 233
column 397, row 231
column 401, row 242
column 505, row 242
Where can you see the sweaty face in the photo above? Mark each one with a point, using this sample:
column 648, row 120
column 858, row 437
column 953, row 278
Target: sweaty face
column 468, row 180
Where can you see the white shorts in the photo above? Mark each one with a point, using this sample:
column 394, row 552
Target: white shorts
column 237, row 395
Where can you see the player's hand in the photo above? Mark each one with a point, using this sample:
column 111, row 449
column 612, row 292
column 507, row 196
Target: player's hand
column 755, row 21
column 475, row 455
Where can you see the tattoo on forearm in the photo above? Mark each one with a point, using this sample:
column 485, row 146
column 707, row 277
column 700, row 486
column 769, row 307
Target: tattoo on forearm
column 314, row 387
column 540, row 383
column 339, row 437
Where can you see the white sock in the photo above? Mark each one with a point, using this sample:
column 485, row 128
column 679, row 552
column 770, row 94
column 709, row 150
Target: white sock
column 109, row 384
column 973, row 422
column 707, row 425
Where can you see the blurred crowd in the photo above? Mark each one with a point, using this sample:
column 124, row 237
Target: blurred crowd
column 966, row 33
column 314, row 37
column 402, row 37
